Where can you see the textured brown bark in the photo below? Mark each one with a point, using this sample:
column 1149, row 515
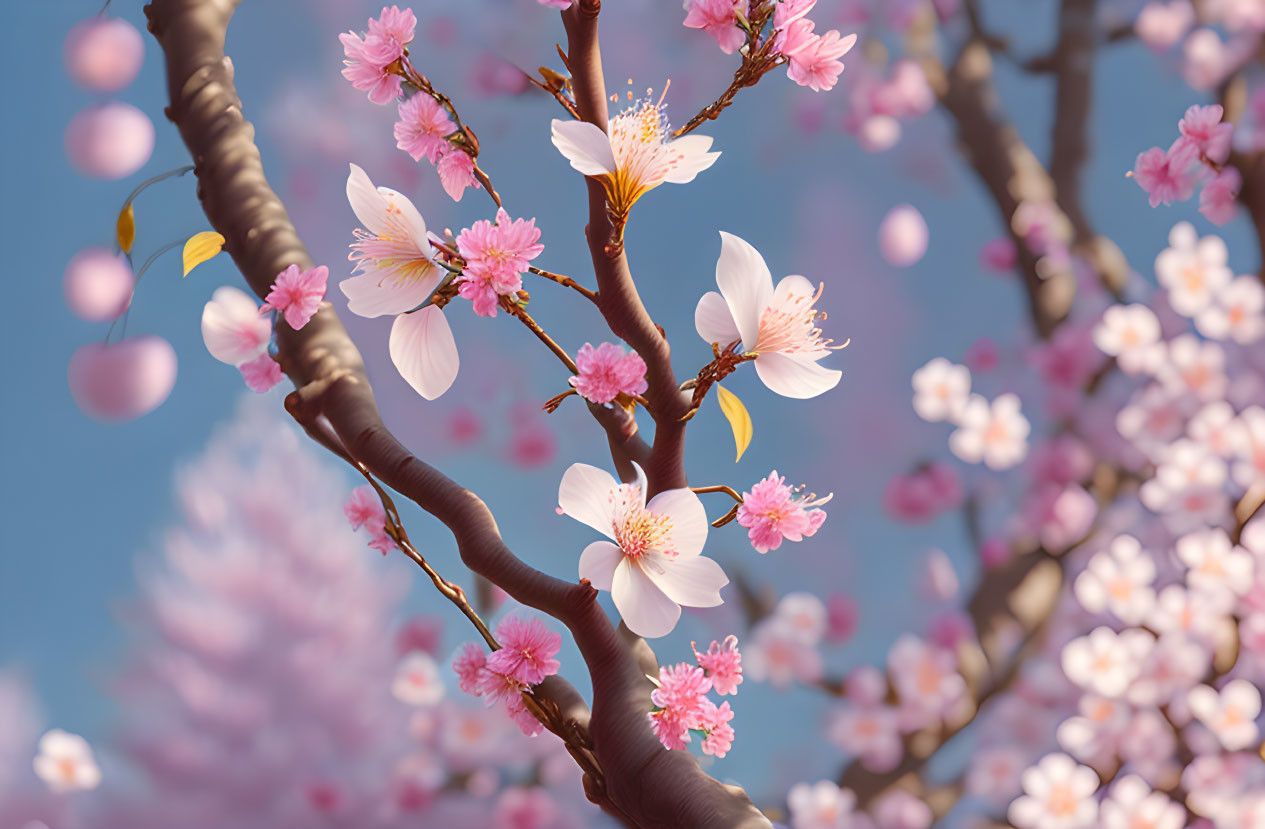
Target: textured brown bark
column 643, row 784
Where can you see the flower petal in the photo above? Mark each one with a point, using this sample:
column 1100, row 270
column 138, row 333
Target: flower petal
column 585, row 495
column 585, row 146
column 598, row 563
column 746, row 284
column 798, row 378
column 398, row 201
column 689, row 519
column 646, row 610
column 793, row 285
column 232, row 328
column 714, row 322
column 424, row 352
column 695, row 158
column 368, row 204
column 374, row 294
column 694, row 582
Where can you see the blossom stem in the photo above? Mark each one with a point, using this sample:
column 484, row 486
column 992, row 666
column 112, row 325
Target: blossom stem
column 552, row 404
column 727, row 517
column 452, row 592
column 591, row 296
column 754, row 66
column 179, row 171
column 518, row 311
column 728, row 490
column 153, row 257
column 558, row 94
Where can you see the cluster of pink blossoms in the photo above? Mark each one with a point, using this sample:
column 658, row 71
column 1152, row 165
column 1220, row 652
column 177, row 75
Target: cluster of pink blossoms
column 608, row 371
column 1198, row 155
column 772, row 512
column 923, row 494
column 369, row 58
column 375, row 64
column 681, row 701
column 364, row 509
column 496, row 257
column 812, row 59
column 525, row 658
column 297, row 294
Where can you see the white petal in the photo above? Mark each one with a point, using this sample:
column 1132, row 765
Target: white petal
column 695, row 158
column 373, row 294
column 693, row 582
column 424, row 352
column 714, row 322
column 746, row 284
column 368, row 204
column 689, row 519
column 644, row 607
column 798, row 378
column 414, row 220
column 232, row 327
column 585, row 495
column 585, row 146
column 793, row 285
column 598, row 563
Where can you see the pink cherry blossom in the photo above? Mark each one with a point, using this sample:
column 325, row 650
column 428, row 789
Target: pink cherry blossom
column 999, row 255
column 521, row 807
column 842, row 618
column 124, row 380
column 555, row 4
column 103, row 54
column 1218, row 199
column 65, row 763
column 1203, row 127
column 98, row 284
column 109, row 141
column 297, row 294
column 1160, row 24
column 714, row 720
column 923, row 494
column 422, row 129
column 816, row 65
column 902, row 236
column 527, row 650
column 720, row 20
column 364, row 509
column 723, row 664
column 368, row 57
column 232, row 328
column 1165, row 176
column 778, row 325
column 994, row 552
column 496, row 257
column 982, row 356
column 654, row 565
column 456, row 172
column 607, row 372
column 771, row 513
column 261, row 373
column 470, row 663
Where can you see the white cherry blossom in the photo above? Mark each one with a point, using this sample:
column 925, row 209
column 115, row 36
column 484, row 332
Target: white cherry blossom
column 1118, row 580
column 1105, row 662
column 1132, row 804
column 941, row 390
column 1192, row 270
column 1131, row 334
column 1058, row 794
column 995, row 433
column 65, row 762
column 1230, row 714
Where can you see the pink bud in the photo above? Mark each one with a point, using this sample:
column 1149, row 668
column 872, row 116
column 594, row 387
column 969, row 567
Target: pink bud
column 994, row 552
column 982, row 356
column 842, row 617
column 998, row 255
column 120, row 382
column 949, row 629
column 109, row 141
column 103, row 54
column 902, row 237
column 98, row 284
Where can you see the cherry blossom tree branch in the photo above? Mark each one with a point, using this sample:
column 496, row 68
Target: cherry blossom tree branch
column 617, row 295
column 1251, row 166
column 632, row 776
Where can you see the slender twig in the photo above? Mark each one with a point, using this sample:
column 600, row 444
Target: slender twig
column 591, row 296
column 728, row 490
column 562, row 99
column 521, row 313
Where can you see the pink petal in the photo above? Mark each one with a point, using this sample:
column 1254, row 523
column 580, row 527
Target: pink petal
column 689, row 519
column 797, row 378
column 693, row 582
column 584, row 145
column 261, row 373
column 598, row 563
column 232, row 328
column 745, row 283
column 714, row 322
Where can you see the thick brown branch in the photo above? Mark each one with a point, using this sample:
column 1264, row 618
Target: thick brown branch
column 642, row 784
column 618, row 299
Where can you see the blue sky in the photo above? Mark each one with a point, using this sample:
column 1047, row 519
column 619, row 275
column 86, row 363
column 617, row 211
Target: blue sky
column 84, row 502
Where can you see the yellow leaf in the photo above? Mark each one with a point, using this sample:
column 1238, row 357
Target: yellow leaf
column 125, row 228
column 201, row 247
column 739, row 420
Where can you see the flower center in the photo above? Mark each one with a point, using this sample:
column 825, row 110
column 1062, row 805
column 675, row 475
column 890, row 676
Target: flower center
column 789, row 326
column 637, row 529
column 1061, row 801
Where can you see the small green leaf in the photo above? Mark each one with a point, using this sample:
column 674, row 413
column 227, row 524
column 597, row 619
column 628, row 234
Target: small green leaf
column 739, row 420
